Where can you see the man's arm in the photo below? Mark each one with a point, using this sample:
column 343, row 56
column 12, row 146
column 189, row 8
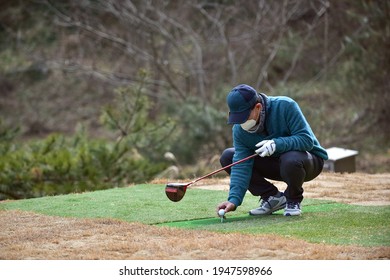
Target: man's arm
column 241, row 173
column 300, row 138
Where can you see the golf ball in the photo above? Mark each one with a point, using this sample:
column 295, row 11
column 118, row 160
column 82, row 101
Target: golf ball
column 221, row 212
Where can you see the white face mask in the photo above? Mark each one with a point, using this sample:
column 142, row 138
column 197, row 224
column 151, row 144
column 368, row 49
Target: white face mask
column 248, row 124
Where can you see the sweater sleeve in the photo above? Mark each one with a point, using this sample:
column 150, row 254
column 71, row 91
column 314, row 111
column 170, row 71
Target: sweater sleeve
column 299, row 132
column 241, row 173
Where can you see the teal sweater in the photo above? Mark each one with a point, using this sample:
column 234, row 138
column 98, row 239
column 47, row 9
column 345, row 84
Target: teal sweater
column 286, row 125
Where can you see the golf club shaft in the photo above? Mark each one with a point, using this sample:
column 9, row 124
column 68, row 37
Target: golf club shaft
column 223, row 168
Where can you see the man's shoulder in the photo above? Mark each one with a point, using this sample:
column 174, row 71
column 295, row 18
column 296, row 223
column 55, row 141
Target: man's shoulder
column 281, row 103
column 236, row 128
column 239, row 133
column 281, row 99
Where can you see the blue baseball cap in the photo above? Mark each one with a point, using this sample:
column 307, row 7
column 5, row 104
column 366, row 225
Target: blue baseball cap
column 241, row 100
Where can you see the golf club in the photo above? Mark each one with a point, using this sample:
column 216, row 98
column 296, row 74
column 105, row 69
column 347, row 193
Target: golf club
column 176, row 191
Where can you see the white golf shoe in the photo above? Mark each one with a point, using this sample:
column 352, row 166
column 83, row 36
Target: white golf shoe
column 292, row 209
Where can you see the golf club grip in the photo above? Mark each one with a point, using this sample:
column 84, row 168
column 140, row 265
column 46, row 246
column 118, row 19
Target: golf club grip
column 223, row 168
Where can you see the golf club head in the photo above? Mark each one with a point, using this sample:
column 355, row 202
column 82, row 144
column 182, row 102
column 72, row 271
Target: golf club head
column 176, row 191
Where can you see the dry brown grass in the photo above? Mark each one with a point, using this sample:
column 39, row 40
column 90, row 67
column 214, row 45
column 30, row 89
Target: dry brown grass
column 31, row 236
column 27, row 235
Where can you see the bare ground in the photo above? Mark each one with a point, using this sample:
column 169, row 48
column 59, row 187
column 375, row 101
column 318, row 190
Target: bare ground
column 27, row 235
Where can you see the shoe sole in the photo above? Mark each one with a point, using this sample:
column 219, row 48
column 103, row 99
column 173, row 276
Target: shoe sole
column 291, row 215
column 269, row 213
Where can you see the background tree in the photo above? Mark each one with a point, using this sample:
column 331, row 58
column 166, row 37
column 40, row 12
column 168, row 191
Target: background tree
column 63, row 60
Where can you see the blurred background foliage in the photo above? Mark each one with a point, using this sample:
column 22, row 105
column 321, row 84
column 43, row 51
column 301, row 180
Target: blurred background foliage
column 93, row 94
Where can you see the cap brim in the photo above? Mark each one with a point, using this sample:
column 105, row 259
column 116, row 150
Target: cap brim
column 238, row 118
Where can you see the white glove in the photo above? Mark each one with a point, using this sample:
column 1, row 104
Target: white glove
column 265, row 148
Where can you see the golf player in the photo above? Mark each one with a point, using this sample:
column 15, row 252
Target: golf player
column 275, row 129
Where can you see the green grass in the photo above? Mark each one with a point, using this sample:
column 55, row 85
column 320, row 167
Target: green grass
column 322, row 221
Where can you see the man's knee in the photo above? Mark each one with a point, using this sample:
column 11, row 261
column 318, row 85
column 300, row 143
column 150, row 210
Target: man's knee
column 292, row 160
column 227, row 157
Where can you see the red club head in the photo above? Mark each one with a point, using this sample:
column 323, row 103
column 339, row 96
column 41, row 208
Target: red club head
column 176, row 191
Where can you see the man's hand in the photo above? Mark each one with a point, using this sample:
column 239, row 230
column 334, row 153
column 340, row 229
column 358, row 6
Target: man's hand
column 227, row 206
column 266, row 148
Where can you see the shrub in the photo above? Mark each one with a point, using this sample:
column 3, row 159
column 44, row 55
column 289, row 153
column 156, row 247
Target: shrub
column 59, row 165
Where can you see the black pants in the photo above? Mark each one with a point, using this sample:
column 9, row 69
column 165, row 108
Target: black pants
column 294, row 168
